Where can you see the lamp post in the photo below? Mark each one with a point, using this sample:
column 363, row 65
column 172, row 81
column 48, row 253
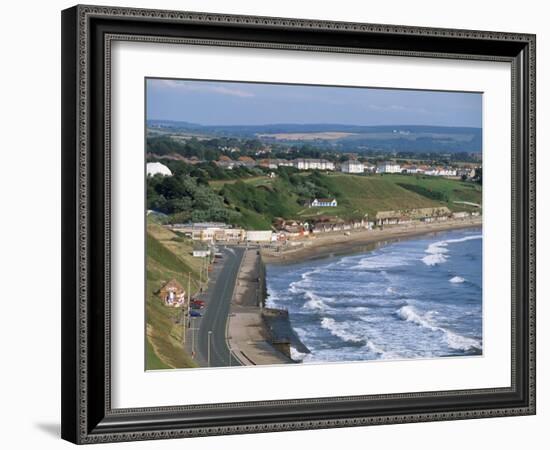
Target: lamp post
column 209, row 339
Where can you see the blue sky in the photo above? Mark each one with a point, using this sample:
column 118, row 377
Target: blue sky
column 229, row 103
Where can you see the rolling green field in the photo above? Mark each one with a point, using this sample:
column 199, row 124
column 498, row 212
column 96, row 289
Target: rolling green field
column 259, row 200
column 168, row 256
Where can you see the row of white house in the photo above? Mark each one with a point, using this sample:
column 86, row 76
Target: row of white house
column 313, row 164
column 220, row 232
column 350, row 166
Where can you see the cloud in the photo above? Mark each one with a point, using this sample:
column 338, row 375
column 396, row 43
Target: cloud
column 202, row 86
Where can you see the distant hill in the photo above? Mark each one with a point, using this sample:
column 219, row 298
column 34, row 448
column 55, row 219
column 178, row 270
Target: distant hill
column 339, row 137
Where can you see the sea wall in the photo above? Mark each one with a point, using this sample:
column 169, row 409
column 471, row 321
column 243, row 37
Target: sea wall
column 248, row 335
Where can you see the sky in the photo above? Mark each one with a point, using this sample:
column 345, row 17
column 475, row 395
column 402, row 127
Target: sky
column 235, row 103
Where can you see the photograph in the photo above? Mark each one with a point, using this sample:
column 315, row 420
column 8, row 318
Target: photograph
column 310, row 224
column 274, row 222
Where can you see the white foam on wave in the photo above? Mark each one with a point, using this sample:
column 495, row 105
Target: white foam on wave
column 272, row 299
column 384, row 261
column 306, row 281
column 453, row 340
column 357, row 309
column 340, row 330
column 381, row 353
column 374, row 348
column 458, row 342
column 298, row 356
column 457, row 280
column 437, row 251
column 315, row 302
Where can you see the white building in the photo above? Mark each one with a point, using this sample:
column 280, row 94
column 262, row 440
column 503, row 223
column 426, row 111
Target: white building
column 441, row 172
column 312, row 164
column 323, row 202
column 353, row 166
column 412, row 169
column 155, row 167
column 388, row 167
column 210, row 232
column 259, row 236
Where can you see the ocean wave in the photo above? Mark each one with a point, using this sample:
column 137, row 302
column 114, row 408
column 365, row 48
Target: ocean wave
column 457, row 279
column 458, row 342
column 295, row 355
column 381, row 353
column 383, row 261
column 305, row 282
column 356, row 309
column 341, row 330
column 437, row 251
column 315, row 302
column 453, row 340
column 272, row 298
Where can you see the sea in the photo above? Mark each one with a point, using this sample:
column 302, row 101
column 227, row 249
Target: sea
column 414, row 298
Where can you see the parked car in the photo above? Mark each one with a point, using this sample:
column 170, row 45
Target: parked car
column 195, row 314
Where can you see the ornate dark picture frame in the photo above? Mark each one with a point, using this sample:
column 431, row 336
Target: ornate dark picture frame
column 87, row 34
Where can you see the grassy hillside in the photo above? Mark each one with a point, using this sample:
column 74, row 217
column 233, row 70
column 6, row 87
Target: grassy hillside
column 445, row 190
column 360, row 195
column 257, row 201
column 168, row 256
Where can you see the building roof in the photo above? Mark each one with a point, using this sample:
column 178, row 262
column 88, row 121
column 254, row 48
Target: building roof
column 154, row 168
column 172, row 285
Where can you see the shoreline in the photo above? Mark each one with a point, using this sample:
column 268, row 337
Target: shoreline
column 337, row 244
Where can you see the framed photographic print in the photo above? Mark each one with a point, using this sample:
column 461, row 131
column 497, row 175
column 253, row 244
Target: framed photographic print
column 282, row 224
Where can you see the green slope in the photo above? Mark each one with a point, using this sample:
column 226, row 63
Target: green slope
column 259, row 201
column 167, row 257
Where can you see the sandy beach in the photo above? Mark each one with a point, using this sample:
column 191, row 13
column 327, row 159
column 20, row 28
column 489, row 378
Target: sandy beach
column 322, row 245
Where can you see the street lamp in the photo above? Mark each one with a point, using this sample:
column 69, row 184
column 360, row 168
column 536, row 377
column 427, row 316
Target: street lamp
column 209, row 338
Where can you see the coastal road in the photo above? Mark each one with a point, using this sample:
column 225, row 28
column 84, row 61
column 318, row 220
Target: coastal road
column 217, row 312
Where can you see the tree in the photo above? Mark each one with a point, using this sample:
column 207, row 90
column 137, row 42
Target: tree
column 478, row 177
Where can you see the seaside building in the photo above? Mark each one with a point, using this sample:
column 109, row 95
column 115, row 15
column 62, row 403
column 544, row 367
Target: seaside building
column 210, row 232
column 259, row 236
column 460, row 215
column 352, row 166
column 388, row 167
column 154, row 168
column 404, row 216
